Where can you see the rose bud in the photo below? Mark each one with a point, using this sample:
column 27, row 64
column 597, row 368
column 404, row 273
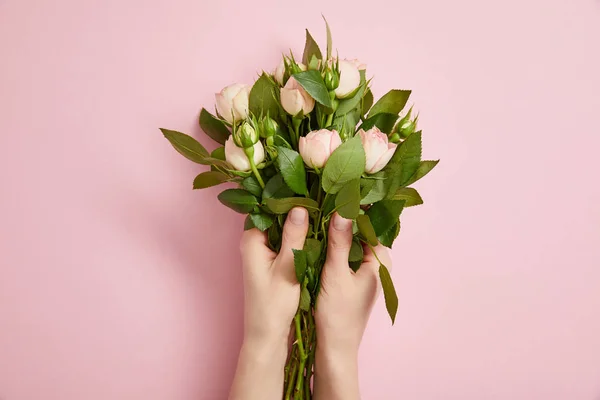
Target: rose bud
column 377, row 149
column 294, row 98
column 332, row 79
column 232, row 102
column 245, row 136
column 316, row 147
column 270, row 127
column 280, row 72
column 358, row 64
column 349, row 79
column 406, row 126
column 236, row 156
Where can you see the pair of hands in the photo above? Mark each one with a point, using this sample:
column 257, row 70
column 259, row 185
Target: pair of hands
column 271, row 299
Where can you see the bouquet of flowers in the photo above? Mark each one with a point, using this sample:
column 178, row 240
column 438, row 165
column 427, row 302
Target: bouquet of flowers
column 309, row 135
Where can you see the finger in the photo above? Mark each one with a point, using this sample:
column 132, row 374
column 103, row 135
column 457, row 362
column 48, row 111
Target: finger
column 371, row 262
column 339, row 243
column 254, row 244
column 294, row 234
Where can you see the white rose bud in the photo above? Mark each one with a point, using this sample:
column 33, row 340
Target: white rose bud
column 236, row 156
column 377, row 149
column 361, row 66
column 349, row 79
column 279, row 73
column 294, row 98
column 232, row 102
column 316, row 147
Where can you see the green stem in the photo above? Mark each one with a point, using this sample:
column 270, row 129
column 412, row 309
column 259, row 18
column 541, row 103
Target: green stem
column 299, row 342
column 374, row 253
column 296, row 122
column 288, row 392
column 329, row 120
column 257, row 174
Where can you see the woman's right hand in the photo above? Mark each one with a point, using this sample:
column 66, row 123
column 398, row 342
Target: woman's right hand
column 342, row 311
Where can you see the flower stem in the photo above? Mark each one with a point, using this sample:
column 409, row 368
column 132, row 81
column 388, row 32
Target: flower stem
column 256, row 173
column 298, row 392
column 329, row 120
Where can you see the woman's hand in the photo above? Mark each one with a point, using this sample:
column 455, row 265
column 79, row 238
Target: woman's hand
column 342, row 312
column 271, row 295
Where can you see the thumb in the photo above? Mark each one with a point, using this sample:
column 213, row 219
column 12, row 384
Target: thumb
column 294, row 234
column 339, row 243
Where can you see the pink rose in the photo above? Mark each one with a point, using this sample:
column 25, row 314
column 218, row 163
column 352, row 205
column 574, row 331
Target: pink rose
column 279, row 72
column 232, row 102
column 377, row 149
column 349, row 79
column 316, row 147
column 356, row 62
column 236, row 156
column 294, row 98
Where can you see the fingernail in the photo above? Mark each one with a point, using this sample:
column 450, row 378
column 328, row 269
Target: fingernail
column 341, row 224
column 298, row 216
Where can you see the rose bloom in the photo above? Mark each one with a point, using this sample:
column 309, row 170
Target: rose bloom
column 349, row 79
column 232, row 102
column 316, row 147
column 294, row 98
column 279, row 72
column 236, row 156
column 378, row 150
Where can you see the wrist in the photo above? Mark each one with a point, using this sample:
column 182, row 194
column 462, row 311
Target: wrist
column 336, row 374
column 264, row 349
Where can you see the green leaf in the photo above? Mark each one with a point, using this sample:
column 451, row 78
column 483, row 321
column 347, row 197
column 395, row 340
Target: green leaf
column 351, row 103
column 422, row 170
column 328, row 205
column 346, row 163
column 262, row 100
column 405, row 162
column 213, row 127
column 347, row 201
column 389, row 292
column 248, row 224
column 251, row 184
column 304, row 299
column 356, row 251
column 292, row 169
column 310, row 48
column 388, row 237
column 218, row 153
column 374, row 188
column 367, row 101
column 385, row 214
column 277, row 189
column 391, row 103
column 366, row 185
column 186, row 145
column 274, row 237
column 313, row 249
column 346, row 124
column 262, row 221
column 409, row 195
column 238, row 200
column 282, row 206
column 329, row 39
column 209, row 178
column 384, row 121
column 314, row 85
column 300, row 264
column 366, row 229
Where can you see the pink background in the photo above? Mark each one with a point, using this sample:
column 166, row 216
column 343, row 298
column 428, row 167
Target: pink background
column 117, row 281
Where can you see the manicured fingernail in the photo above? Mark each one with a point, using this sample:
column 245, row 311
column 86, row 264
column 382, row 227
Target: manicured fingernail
column 298, row 216
column 341, row 224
